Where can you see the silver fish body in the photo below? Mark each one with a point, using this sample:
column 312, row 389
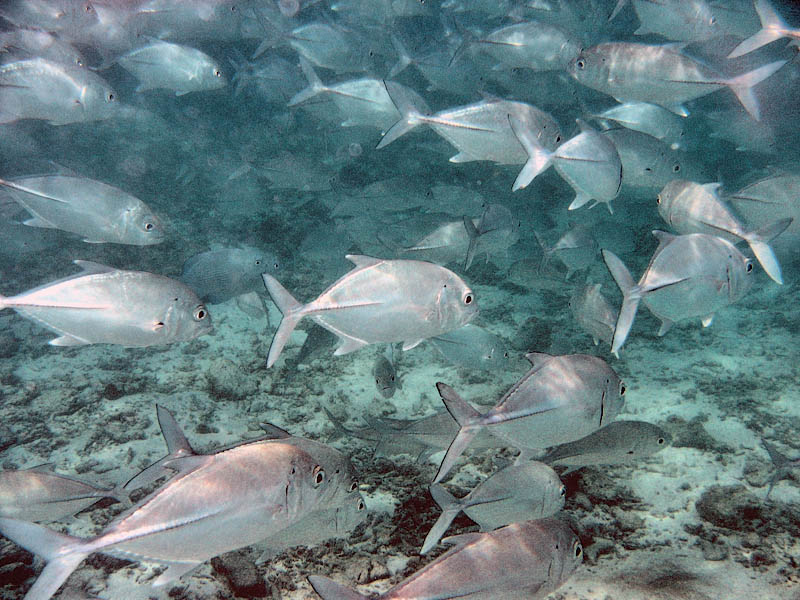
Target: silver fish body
column 95, row 210
column 561, row 399
column 103, row 305
column 522, row 561
column 225, row 273
column 529, row 490
column 594, row 313
column 472, row 347
column 532, row 45
column 379, row 301
column 651, row 119
column 689, row 276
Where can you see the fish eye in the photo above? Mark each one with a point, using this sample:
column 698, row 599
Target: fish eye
column 258, row 262
column 712, row 21
column 578, row 550
column 658, row 199
column 392, row 377
column 88, row 8
column 558, row 139
column 562, row 491
column 749, row 267
column 621, row 389
column 200, row 313
column 468, row 298
column 217, row 73
column 505, row 354
column 275, row 265
column 354, row 486
column 148, row 226
column 660, row 441
column 110, row 97
column 580, row 63
column 319, row 475
column 361, row 505
column 676, row 168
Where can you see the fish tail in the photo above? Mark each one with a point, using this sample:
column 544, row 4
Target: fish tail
column 63, row 554
column 539, row 159
column 773, row 27
column 743, row 85
column 290, row 308
column 450, row 508
column 410, row 114
column 328, row 589
column 315, row 85
column 630, row 299
column 759, row 244
column 467, row 418
column 403, row 57
column 620, row 5
column 3, row 303
column 473, row 234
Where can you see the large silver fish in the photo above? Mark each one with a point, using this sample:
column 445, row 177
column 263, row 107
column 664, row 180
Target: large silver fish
column 651, row 119
column 379, row 301
column 617, row 443
column 54, row 92
column 95, row 210
column 164, row 65
column 213, row 504
column 530, row 490
column 561, row 399
column 38, row 494
column 104, row 305
column 661, row 75
column 472, row 347
column 531, row 45
column 690, row 207
column 522, row 561
column 689, row 276
column 222, row 274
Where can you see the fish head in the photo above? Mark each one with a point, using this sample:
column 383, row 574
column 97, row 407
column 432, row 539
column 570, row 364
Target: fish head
column 142, row 227
column 652, row 439
column 495, row 355
column 385, row 377
column 212, row 76
column 98, row 100
column 186, row 316
column 591, row 67
column 338, row 483
column 613, row 396
column 738, row 272
column 667, row 196
column 568, row 556
column 350, row 515
column 456, row 304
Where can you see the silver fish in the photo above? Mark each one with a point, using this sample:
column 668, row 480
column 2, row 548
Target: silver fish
column 561, row 399
column 38, row 494
column 531, row 45
column 54, row 92
column 164, row 65
column 522, row 561
column 103, row 305
column 379, row 301
column 214, row 504
column 678, row 20
column 594, row 313
column 385, row 374
column 30, row 43
column 576, row 249
column 661, row 75
column 225, row 273
column 95, row 210
column 651, row 119
column 530, row 490
column 588, row 162
column 617, row 443
column 496, row 230
column 689, row 276
column 472, row 347
column 782, row 463
column 773, row 27
column 690, row 207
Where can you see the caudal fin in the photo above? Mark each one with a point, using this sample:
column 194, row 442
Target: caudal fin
column 315, row 85
column 474, row 236
column 63, row 554
column 450, row 509
column 743, row 86
column 411, row 114
column 773, row 27
column 467, row 418
column 630, row 299
column 328, row 589
column 3, row 302
column 758, row 241
column 539, row 158
column 290, row 309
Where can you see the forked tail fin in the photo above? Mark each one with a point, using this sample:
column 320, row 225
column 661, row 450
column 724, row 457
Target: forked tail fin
column 290, row 309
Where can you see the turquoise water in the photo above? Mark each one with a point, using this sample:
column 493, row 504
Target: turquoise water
column 243, row 165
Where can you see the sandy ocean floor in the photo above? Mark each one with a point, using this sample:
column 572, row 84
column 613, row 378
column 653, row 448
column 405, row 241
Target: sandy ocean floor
column 690, row 522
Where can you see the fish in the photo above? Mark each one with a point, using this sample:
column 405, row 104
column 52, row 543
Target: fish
column 651, row 119
column 521, row 561
column 385, row 373
column 104, row 305
column 531, row 490
column 329, row 46
column 532, row 45
column 29, row 43
column 174, row 67
column 619, row 442
column 688, row 276
column 480, row 131
column 496, row 230
column 214, row 503
column 782, row 463
column 55, row 92
column 219, row 275
column 99, row 212
column 678, row 20
column 560, row 399
column 593, row 312
column 690, row 207
column 576, row 249
column 472, row 347
column 773, row 27
column 588, row 162
column 39, row 494
column 661, row 75
column 379, row 301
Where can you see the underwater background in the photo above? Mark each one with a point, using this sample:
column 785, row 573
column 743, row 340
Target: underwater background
column 246, row 164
